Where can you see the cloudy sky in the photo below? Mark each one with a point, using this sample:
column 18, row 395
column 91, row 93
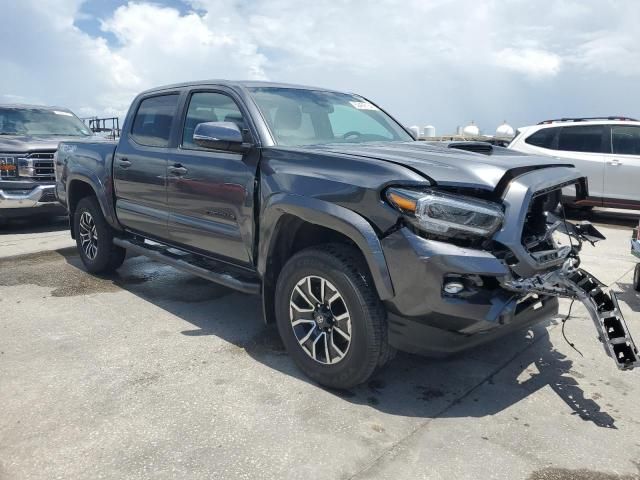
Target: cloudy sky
column 440, row 62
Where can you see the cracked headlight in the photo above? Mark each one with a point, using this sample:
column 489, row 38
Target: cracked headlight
column 447, row 214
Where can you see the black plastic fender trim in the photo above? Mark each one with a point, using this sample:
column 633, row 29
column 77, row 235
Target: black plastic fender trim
column 334, row 217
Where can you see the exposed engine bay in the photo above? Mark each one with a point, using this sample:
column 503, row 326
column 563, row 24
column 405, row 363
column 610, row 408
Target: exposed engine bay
column 570, row 281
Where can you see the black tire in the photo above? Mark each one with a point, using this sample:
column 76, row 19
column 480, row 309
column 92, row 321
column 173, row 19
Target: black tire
column 636, row 278
column 343, row 267
column 107, row 256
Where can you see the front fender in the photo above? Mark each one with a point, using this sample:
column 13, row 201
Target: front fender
column 328, row 215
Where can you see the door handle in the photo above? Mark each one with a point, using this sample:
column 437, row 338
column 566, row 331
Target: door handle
column 615, row 162
column 124, row 163
column 178, row 170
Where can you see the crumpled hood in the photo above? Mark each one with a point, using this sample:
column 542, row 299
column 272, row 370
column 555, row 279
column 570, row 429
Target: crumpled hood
column 27, row 143
column 444, row 166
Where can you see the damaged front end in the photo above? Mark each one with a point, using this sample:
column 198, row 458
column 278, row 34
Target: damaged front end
column 498, row 262
column 539, row 266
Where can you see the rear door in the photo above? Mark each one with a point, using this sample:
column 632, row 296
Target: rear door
column 210, row 192
column 140, row 166
column 584, row 146
column 622, row 168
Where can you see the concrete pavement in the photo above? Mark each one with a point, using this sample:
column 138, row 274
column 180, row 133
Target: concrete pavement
column 31, row 235
column 151, row 373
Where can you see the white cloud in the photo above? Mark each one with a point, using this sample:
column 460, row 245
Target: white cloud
column 440, row 61
column 162, row 44
column 616, row 53
column 532, row 62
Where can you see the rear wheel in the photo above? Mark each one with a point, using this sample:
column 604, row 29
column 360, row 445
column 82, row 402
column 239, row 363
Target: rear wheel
column 636, row 278
column 330, row 317
column 94, row 238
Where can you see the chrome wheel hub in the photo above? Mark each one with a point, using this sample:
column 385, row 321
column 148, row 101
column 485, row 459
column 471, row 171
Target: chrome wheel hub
column 88, row 236
column 320, row 320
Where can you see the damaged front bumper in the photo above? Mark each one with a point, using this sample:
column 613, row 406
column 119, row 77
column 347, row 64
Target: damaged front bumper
column 424, row 319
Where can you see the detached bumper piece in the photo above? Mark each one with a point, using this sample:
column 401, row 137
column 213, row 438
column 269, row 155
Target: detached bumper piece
column 602, row 306
column 606, row 314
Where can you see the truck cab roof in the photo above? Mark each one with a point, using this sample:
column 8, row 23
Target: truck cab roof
column 236, row 84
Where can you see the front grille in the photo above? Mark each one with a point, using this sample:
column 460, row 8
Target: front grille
column 535, row 225
column 42, row 163
column 535, row 237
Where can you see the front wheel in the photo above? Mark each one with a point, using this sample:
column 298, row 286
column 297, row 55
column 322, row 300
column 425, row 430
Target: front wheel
column 329, row 316
column 94, row 238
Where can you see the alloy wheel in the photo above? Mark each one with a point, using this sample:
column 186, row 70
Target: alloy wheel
column 88, row 236
column 320, row 320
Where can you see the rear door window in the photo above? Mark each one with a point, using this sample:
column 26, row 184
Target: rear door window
column 543, row 138
column 584, row 138
column 625, row 140
column 153, row 120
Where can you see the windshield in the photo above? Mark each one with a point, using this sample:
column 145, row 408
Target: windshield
column 310, row 117
column 37, row 121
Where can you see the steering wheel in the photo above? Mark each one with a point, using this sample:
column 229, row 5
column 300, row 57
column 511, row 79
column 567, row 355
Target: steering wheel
column 351, row 133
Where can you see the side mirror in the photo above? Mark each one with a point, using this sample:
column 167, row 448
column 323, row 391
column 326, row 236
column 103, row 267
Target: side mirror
column 219, row 136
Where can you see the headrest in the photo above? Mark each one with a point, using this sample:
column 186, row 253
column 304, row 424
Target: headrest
column 288, row 117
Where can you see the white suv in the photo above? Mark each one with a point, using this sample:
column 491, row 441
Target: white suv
column 606, row 150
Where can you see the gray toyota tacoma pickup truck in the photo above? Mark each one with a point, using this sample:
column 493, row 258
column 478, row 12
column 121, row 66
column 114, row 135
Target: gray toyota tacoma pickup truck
column 29, row 137
column 359, row 239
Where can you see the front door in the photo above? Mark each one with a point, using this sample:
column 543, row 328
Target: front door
column 584, row 146
column 210, row 192
column 622, row 168
column 140, row 167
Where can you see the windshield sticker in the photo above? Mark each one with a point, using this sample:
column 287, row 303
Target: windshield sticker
column 364, row 106
column 66, row 114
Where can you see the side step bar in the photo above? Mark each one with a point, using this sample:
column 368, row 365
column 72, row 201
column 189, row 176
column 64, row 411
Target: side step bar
column 163, row 255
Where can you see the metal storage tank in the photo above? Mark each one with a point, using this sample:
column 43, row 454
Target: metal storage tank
column 471, row 130
column 415, row 130
column 429, row 131
column 505, row 130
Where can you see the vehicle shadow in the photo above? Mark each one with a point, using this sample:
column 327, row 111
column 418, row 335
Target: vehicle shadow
column 35, row 224
column 488, row 378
